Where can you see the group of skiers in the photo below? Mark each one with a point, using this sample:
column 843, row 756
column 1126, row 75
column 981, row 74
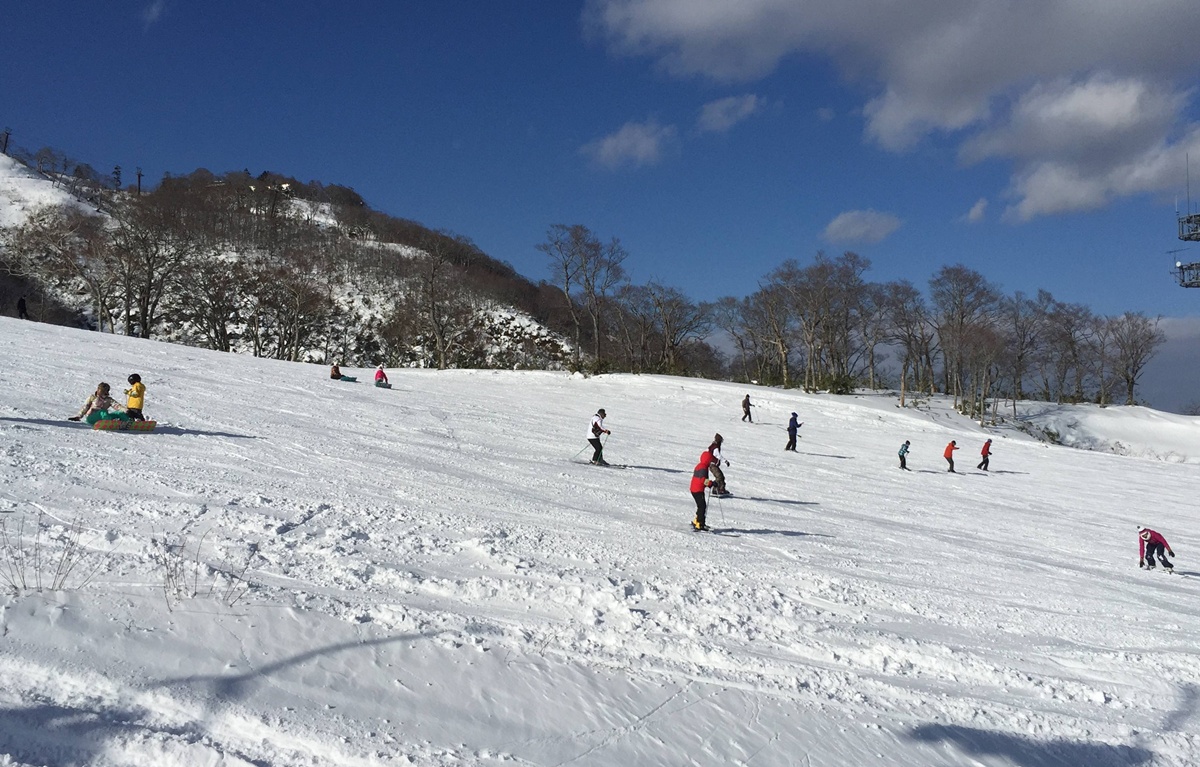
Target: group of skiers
column 985, row 455
column 102, row 407
column 1151, row 543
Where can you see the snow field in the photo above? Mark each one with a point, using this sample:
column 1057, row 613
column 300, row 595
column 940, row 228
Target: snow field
column 434, row 579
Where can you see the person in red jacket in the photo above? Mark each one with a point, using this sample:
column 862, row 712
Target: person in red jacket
column 949, row 454
column 1150, row 542
column 700, row 481
column 985, row 453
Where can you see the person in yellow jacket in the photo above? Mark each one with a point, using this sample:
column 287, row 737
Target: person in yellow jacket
column 136, row 394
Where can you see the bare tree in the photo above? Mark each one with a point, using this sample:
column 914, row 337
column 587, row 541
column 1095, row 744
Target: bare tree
column 964, row 302
column 679, row 321
column 1137, row 338
column 585, row 270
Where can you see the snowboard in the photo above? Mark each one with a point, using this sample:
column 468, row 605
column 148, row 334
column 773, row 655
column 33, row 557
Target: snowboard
column 119, row 425
column 382, row 385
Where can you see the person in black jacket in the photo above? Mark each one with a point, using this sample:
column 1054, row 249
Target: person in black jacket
column 21, row 309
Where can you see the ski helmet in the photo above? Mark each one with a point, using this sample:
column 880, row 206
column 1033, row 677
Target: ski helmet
column 134, row 378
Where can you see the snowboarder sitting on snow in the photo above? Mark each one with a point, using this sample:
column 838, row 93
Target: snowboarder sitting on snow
column 985, row 453
column 904, row 452
column 792, row 428
column 100, row 407
column 595, row 429
column 1150, row 542
column 700, row 481
column 335, row 373
column 135, row 397
column 746, row 409
column 381, row 378
column 714, row 451
column 949, row 455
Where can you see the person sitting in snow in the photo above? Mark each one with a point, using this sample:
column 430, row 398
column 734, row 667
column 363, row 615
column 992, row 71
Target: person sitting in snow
column 1151, row 543
column 381, row 378
column 700, row 481
column 100, row 407
column 335, row 373
column 135, row 397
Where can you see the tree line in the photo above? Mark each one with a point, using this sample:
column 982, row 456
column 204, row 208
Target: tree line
column 824, row 326
column 305, row 271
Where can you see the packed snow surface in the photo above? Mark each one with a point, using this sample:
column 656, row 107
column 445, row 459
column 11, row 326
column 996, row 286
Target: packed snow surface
column 293, row 570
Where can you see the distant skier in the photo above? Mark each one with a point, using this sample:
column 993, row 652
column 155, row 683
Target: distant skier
column 100, row 407
column 746, row 409
column 595, row 429
column 381, row 379
column 792, row 428
column 700, row 481
column 949, row 455
column 22, row 311
column 985, row 453
column 135, row 397
column 1150, row 543
column 903, row 452
column 714, row 451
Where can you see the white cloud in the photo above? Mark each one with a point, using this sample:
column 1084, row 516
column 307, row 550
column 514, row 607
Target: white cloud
column 867, row 226
column 153, row 12
column 721, row 115
column 1075, row 94
column 634, row 145
column 977, row 211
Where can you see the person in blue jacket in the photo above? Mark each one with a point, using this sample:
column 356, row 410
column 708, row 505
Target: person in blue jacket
column 792, row 428
column 904, row 452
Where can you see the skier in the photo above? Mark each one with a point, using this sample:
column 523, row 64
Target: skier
column 746, row 409
column 135, row 397
column 904, row 452
column 1150, row 542
column 700, row 481
column 986, row 453
column 714, row 451
column 22, row 313
column 381, row 378
column 100, row 407
column 595, row 429
column 792, row 428
column 949, row 455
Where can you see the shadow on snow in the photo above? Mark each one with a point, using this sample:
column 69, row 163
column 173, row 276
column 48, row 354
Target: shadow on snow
column 1026, row 752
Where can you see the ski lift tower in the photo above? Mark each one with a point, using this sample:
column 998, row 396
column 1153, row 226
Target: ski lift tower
column 1189, row 231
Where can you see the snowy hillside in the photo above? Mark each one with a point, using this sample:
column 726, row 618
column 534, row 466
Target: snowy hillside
column 22, row 191
column 427, row 576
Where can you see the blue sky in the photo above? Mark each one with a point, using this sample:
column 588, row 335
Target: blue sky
column 1041, row 145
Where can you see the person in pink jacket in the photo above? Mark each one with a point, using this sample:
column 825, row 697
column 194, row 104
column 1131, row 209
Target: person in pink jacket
column 1150, row 542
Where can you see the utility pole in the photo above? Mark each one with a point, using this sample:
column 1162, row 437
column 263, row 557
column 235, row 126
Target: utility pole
column 139, row 178
column 4, row 145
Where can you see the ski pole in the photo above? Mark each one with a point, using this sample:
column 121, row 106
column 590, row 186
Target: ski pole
column 721, row 507
column 585, row 447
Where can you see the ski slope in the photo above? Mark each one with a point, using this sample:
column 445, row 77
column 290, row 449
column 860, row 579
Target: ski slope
column 427, row 576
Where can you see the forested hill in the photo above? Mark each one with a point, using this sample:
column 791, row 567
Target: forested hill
column 264, row 264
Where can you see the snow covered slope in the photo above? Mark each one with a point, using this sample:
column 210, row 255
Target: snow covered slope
column 433, row 578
